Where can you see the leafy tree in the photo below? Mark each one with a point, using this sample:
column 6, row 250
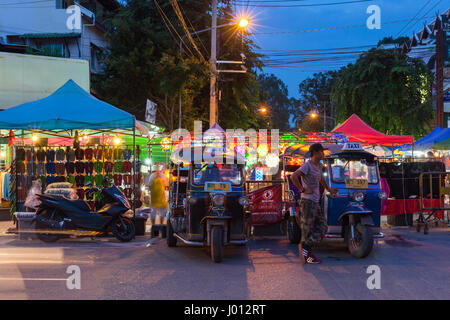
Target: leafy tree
column 144, row 62
column 390, row 40
column 273, row 94
column 315, row 95
column 381, row 87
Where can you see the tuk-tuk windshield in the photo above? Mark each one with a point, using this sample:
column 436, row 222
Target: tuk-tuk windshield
column 342, row 169
column 217, row 173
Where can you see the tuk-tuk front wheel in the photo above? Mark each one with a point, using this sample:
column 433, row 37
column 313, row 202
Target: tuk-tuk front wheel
column 217, row 244
column 362, row 244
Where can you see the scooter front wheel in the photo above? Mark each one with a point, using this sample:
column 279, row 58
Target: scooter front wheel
column 123, row 229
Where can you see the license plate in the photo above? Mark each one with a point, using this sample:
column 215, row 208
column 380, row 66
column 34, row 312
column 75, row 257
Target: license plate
column 356, row 184
column 217, row 186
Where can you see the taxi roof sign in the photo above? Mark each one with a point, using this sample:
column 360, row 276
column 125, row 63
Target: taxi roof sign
column 352, row 146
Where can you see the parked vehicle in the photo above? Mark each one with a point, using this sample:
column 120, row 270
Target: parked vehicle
column 354, row 213
column 58, row 217
column 208, row 206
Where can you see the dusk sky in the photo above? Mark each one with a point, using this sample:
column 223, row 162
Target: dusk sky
column 273, row 20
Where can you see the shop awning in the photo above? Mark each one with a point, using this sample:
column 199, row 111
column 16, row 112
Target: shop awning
column 426, row 141
column 69, row 107
column 356, row 130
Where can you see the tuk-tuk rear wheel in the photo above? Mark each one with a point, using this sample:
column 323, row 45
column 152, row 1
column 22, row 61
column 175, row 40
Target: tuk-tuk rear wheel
column 363, row 243
column 217, row 244
column 171, row 240
column 294, row 231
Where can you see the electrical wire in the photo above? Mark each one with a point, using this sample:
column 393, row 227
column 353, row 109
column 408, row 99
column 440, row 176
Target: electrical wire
column 424, row 16
column 298, row 5
column 328, row 29
column 418, row 12
column 179, row 14
column 167, row 23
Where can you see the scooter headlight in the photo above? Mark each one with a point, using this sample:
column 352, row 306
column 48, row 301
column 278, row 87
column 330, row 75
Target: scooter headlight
column 382, row 195
column 243, row 201
column 219, row 200
column 358, row 196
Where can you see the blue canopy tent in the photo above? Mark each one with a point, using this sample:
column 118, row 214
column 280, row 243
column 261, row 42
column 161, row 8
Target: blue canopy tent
column 427, row 142
column 69, row 107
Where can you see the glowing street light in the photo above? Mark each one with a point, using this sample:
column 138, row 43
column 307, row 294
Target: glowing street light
column 263, row 110
column 313, row 114
column 243, row 23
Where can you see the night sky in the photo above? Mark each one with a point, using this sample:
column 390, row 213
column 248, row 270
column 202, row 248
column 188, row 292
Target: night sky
column 272, row 20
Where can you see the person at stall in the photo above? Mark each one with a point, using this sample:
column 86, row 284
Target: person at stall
column 308, row 179
column 158, row 200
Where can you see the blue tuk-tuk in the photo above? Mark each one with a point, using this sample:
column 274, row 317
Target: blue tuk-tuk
column 354, row 213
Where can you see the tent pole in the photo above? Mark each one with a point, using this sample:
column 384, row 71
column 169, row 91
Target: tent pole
column 134, row 167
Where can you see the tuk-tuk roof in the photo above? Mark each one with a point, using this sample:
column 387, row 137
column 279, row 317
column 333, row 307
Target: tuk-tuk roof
column 208, row 155
column 352, row 154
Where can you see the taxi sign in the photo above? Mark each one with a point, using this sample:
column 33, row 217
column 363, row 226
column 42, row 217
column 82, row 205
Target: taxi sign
column 217, row 187
column 352, row 146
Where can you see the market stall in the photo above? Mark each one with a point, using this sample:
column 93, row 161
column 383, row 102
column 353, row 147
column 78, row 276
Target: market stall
column 356, row 130
column 70, row 136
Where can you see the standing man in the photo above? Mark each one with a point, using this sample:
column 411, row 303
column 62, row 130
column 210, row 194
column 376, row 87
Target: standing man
column 312, row 222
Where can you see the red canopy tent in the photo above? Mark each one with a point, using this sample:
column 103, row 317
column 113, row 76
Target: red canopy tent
column 357, row 130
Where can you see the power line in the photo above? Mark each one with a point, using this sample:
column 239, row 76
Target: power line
column 328, row 29
column 424, row 16
column 418, row 12
column 299, row 5
column 177, row 10
column 26, row 2
column 167, row 23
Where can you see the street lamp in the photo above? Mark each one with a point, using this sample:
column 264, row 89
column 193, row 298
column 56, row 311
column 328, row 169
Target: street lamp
column 263, row 110
column 242, row 23
column 315, row 114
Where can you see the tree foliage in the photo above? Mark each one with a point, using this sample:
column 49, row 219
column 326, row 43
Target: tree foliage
column 273, row 94
column 144, row 62
column 381, row 87
column 315, row 95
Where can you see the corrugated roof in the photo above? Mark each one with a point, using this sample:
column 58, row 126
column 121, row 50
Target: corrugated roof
column 49, row 35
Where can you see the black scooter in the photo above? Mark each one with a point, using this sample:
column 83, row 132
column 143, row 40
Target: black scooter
column 58, row 217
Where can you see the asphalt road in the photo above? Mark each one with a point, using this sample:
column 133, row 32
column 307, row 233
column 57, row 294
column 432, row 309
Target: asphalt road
column 412, row 265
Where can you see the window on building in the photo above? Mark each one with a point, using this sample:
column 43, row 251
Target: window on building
column 63, row 4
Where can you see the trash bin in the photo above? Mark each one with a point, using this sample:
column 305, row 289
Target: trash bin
column 139, row 225
column 25, row 225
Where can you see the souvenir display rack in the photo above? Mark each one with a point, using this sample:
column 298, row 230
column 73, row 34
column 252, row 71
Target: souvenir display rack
column 78, row 166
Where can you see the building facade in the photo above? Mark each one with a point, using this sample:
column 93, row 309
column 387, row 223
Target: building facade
column 56, row 28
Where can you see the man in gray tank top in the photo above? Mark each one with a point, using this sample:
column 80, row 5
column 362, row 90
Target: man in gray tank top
column 312, row 222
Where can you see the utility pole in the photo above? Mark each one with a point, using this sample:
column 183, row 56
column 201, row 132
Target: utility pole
column 213, row 112
column 439, row 76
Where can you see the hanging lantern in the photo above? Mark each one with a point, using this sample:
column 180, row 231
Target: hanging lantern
column 165, row 143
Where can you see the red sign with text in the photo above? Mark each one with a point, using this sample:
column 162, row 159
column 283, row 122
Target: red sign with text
column 266, row 205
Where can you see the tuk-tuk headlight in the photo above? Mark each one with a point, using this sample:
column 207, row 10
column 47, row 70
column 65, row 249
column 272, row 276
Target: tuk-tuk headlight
column 243, row 201
column 382, row 195
column 219, row 200
column 192, row 200
column 358, row 196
